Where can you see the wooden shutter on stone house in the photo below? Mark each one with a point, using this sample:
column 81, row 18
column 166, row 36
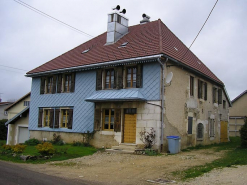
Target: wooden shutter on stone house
column 42, row 85
column 97, row 119
column 220, row 96
column 99, row 79
column 119, row 78
column 70, row 122
column 59, row 83
column 40, row 118
column 57, row 113
column 54, row 84
column 72, row 89
column 117, row 120
column 51, row 118
column 139, row 76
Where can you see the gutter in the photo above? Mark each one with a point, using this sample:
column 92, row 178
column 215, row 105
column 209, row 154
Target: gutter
column 93, row 66
column 162, row 65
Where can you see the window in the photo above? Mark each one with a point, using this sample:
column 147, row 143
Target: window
column 224, row 104
column 191, row 86
column 108, row 119
column 64, row 118
column 109, row 79
column 56, row 117
column 67, row 83
column 119, row 19
column 27, row 103
column 130, row 111
column 47, row 114
column 211, row 128
column 200, row 131
column 220, row 96
column 200, row 86
column 131, row 77
column 6, row 113
column 205, row 91
column 190, row 124
column 214, row 95
column 112, row 17
column 49, row 84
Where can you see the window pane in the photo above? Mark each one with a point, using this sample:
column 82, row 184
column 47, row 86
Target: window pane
column 106, row 111
column 111, row 126
column 134, row 70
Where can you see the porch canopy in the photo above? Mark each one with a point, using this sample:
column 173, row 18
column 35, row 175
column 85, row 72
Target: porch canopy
column 116, row 95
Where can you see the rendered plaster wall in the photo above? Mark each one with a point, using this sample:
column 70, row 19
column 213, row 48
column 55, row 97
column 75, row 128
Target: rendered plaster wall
column 17, row 108
column 179, row 105
column 239, row 107
column 13, row 130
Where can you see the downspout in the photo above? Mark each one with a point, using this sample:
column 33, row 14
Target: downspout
column 162, row 65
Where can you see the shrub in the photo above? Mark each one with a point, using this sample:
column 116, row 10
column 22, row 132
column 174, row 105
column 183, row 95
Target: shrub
column 3, row 129
column 78, row 143
column 45, row 148
column 18, row 148
column 57, row 140
column 243, row 135
column 150, row 152
column 148, row 138
column 7, row 147
column 32, row 142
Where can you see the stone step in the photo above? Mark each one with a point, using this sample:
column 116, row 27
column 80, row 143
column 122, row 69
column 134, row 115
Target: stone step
column 127, row 146
column 120, row 151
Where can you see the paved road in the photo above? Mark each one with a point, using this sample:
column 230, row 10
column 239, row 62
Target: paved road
column 11, row 174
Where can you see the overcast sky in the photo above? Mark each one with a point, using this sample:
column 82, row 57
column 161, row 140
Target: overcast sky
column 28, row 39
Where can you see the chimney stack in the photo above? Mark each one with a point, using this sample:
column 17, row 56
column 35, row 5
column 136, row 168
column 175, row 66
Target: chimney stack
column 117, row 25
column 145, row 19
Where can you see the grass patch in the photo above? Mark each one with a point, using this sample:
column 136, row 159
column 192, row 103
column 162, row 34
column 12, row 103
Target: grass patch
column 63, row 152
column 2, row 142
column 234, row 156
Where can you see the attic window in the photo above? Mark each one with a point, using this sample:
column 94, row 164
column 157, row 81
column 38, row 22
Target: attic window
column 85, row 51
column 176, row 48
column 123, row 45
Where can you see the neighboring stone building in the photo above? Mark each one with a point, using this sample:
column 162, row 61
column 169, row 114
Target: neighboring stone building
column 18, row 116
column 114, row 84
column 238, row 112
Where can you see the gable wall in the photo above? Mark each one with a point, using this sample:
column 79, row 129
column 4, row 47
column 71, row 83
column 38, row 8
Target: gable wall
column 239, row 107
column 17, row 108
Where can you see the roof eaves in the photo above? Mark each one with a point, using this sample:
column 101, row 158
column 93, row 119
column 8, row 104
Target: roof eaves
column 17, row 101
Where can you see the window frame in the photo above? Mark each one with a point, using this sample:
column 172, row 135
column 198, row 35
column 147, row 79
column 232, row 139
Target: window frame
column 109, row 120
column 111, row 76
column 200, row 89
column 61, row 118
column 131, row 77
column 26, row 103
column 202, row 131
column 44, row 117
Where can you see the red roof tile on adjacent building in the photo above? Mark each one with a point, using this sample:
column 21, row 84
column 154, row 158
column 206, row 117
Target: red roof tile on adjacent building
column 143, row 40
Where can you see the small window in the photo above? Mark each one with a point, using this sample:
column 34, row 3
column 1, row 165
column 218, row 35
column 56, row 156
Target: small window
column 130, row 111
column 26, row 103
column 131, row 77
column 205, row 91
column 119, row 19
column 190, row 124
column 200, row 131
column 6, row 113
column 108, row 119
column 224, row 104
column 109, row 79
column 191, row 86
column 200, row 86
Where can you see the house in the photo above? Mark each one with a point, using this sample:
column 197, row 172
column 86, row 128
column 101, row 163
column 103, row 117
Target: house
column 18, row 116
column 115, row 85
column 3, row 106
column 238, row 114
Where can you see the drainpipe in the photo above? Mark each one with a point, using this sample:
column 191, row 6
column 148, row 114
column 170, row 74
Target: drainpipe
column 162, row 102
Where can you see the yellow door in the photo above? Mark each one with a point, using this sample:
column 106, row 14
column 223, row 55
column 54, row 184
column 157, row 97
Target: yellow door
column 129, row 128
column 223, row 131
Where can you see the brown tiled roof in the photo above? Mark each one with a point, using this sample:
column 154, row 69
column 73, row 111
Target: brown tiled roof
column 143, row 40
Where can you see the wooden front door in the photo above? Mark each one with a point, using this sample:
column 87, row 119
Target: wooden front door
column 129, row 128
column 223, row 131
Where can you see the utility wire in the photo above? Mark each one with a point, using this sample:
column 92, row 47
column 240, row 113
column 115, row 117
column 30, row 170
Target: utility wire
column 200, row 29
column 50, row 17
column 11, row 71
column 13, row 68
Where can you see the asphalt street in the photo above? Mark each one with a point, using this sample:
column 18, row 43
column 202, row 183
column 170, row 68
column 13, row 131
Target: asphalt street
column 11, row 174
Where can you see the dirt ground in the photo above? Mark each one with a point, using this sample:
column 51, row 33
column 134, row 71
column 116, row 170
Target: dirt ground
column 114, row 168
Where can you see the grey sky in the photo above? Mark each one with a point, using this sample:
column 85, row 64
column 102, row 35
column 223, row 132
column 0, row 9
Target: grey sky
column 27, row 39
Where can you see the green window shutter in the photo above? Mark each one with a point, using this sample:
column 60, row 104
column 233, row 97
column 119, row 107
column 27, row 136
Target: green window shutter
column 42, row 85
column 57, row 113
column 99, row 79
column 54, row 84
column 59, row 83
column 70, row 122
column 40, row 118
column 139, row 76
column 220, row 96
column 97, row 119
column 117, row 120
column 72, row 89
column 51, row 118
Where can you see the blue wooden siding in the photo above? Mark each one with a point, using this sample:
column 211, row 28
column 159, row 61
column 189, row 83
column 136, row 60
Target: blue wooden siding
column 85, row 86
